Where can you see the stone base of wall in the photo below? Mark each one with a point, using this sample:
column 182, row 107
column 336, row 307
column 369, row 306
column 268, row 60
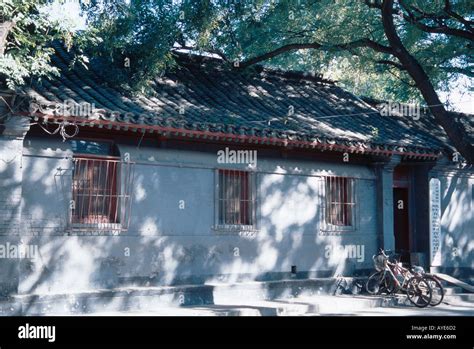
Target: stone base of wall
column 462, row 273
column 150, row 298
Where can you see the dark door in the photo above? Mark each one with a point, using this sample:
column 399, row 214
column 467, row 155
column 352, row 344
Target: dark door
column 401, row 223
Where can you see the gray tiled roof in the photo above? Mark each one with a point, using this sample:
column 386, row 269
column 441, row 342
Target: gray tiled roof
column 255, row 103
column 426, row 125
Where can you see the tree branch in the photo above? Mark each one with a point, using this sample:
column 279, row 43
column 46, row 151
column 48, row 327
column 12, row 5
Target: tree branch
column 315, row 45
column 440, row 29
column 448, row 9
column 392, row 63
column 455, row 132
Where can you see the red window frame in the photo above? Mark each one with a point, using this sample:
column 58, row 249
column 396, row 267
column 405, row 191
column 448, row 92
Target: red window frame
column 340, row 203
column 95, row 189
column 236, row 199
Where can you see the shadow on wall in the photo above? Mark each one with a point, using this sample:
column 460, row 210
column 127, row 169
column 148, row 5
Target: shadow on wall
column 290, row 214
column 457, row 225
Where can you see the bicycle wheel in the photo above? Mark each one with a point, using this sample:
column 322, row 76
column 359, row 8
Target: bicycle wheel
column 419, row 292
column 437, row 290
column 379, row 283
column 373, row 283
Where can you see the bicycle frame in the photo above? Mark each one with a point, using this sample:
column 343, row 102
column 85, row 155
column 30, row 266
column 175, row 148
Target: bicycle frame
column 394, row 268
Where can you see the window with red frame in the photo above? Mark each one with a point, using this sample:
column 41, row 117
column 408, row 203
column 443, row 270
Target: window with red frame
column 340, row 201
column 94, row 190
column 236, row 198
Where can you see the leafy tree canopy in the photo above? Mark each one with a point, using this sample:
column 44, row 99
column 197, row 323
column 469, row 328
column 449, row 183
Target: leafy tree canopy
column 340, row 37
column 400, row 50
column 26, row 48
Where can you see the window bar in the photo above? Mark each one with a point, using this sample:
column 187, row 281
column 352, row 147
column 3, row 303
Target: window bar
column 90, row 167
column 342, row 204
column 80, row 190
column 74, row 192
column 238, row 197
column 249, row 198
column 220, row 214
column 351, row 198
column 115, row 179
column 129, row 188
column 246, row 198
column 121, row 192
column 333, row 211
column 345, row 202
column 97, row 190
column 348, row 202
column 241, row 197
column 82, row 180
column 77, row 203
column 334, row 199
column 123, row 172
column 252, row 193
column 329, row 199
column 226, row 196
column 122, row 197
column 232, row 190
column 105, row 194
column 338, row 200
column 223, row 197
column 227, row 201
column 248, row 217
column 90, row 179
column 108, row 194
column 331, row 204
column 90, row 212
column 234, row 196
column 341, row 201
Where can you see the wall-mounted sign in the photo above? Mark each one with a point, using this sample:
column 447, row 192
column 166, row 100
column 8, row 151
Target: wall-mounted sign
column 435, row 222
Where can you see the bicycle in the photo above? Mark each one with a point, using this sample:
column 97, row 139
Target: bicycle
column 391, row 277
column 347, row 286
column 435, row 285
column 437, row 290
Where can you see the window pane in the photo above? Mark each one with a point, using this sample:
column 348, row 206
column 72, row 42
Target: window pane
column 94, row 191
column 235, row 198
column 339, row 201
column 90, row 147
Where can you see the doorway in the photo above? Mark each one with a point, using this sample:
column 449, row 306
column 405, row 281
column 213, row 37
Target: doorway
column 401, row 223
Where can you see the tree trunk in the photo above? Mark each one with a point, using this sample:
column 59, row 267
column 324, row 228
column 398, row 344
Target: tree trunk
column 456, row 132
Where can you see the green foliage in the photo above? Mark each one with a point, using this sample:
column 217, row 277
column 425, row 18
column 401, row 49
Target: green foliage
column 27, row 51
column 145, row 31
column 135, row 40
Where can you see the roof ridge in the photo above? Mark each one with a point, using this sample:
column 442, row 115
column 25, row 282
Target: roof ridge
column 194, row 58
